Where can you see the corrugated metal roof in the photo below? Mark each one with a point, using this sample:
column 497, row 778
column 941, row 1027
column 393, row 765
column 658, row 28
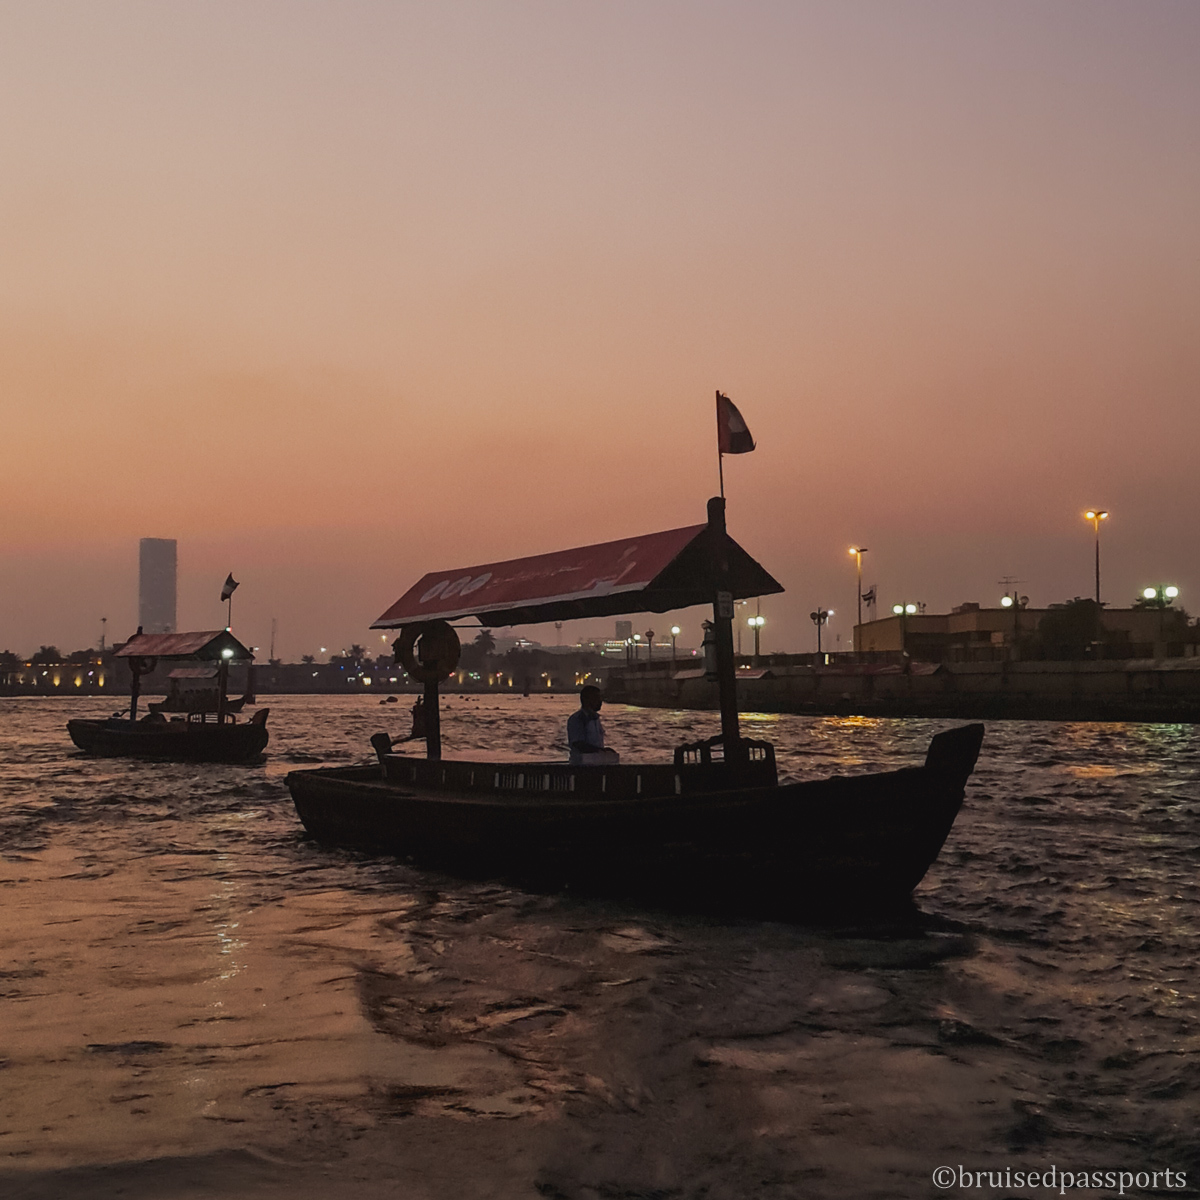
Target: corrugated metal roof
column 193, row 673
column 207, row 645
column 653, row 573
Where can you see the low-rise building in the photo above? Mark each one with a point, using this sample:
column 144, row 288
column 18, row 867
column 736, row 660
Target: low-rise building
column 1080, row 629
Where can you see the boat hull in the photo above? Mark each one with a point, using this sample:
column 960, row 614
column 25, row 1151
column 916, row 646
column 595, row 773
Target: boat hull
column 860, row 840
column 173, row 741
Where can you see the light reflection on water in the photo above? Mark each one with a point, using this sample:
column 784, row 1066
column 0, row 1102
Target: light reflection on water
column 181, row 908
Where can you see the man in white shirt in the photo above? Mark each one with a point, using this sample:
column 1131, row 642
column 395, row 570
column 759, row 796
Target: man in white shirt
column 585, row 734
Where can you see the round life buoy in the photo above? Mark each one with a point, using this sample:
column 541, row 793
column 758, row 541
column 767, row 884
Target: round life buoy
column 428, row 651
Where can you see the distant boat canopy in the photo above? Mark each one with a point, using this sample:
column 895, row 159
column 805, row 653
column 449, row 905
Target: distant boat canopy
column 206, row 646
column 654, row 573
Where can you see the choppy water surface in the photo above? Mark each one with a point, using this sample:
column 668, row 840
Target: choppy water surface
column 185, row 974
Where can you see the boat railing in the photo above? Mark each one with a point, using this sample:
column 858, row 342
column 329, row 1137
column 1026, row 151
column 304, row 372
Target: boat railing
column 624, row 781
column 701, row 752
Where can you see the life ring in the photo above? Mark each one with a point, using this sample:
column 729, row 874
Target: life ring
column 428, row 651
column 142, row 666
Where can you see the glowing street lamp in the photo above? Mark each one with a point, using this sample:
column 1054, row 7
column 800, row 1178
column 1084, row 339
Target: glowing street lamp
column 903, row 611
column 818, row 618
column 1162, row 595
column 674, row 635
column 1096, row 515
column 858, row 552
column 756, row 623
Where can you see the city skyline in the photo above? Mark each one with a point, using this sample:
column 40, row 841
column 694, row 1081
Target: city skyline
column 837, row 627
column 340, row 297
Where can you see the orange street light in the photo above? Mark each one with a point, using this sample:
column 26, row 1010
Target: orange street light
column 1096, row 515
column 858, row 552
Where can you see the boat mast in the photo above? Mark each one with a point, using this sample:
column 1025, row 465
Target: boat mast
column 723, row 630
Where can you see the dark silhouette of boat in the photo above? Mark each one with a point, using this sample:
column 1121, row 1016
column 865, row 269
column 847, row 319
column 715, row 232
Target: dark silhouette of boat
column 677, row 831
column 183, row 740
column 205, row 732
column 712, row 826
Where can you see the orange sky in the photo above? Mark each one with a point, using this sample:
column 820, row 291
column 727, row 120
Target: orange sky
column 339, row 294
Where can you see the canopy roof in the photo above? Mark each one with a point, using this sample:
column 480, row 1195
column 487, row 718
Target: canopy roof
column 206, row 646
column 207, row 672
column 654, row 573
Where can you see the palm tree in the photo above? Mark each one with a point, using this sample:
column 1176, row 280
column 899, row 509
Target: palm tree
column 485, row 641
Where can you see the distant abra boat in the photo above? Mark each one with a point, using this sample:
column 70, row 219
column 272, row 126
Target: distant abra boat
column 715, row 823
column 205, row 733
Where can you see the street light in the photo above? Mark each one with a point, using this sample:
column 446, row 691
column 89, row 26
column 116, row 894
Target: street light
column 1162, row 595
column 858, row 552
column 818, row 618
column 903, row 611
column 1096, row 515
column 756, row 623
column 674, row 635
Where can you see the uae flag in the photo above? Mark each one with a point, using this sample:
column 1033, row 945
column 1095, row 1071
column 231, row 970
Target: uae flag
column 733, row 435
column 227, row 590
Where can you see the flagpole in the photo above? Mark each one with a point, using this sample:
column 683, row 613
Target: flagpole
column 720, row 456
column 229, row 613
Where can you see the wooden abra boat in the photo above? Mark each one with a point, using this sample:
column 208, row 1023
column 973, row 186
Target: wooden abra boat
column 714, row 822
column 685, row 831
column 207, row 733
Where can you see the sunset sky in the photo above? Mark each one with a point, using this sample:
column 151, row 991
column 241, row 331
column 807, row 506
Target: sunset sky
column 338, row 294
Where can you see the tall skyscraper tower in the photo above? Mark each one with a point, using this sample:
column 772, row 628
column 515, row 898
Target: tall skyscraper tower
column 156, row 585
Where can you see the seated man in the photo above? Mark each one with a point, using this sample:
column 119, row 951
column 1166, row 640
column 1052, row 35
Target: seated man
column 585, row 734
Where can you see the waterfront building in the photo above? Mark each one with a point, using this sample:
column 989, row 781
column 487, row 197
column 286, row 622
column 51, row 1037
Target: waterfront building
column 156, row 585
column 1079, row 630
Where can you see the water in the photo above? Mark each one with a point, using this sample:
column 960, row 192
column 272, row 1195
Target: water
column 197, row 1000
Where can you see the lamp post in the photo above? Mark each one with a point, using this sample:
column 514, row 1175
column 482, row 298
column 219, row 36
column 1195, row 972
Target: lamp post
column 649, row 644
column 1162, row 594
column 904, row 611
column 674, row 635
column 858, row 552
column 756, row 623
column 1016, row 603
column 1160, row 597
column 1096, row 515
column 819, row 618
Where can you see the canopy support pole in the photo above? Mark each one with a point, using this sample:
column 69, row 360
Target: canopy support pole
column 723, row 632
column 433, row 721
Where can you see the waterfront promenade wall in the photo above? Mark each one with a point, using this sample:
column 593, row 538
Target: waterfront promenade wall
column 1116, row 690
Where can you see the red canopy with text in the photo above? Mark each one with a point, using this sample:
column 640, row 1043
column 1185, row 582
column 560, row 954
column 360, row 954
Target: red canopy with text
column 653, row 573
